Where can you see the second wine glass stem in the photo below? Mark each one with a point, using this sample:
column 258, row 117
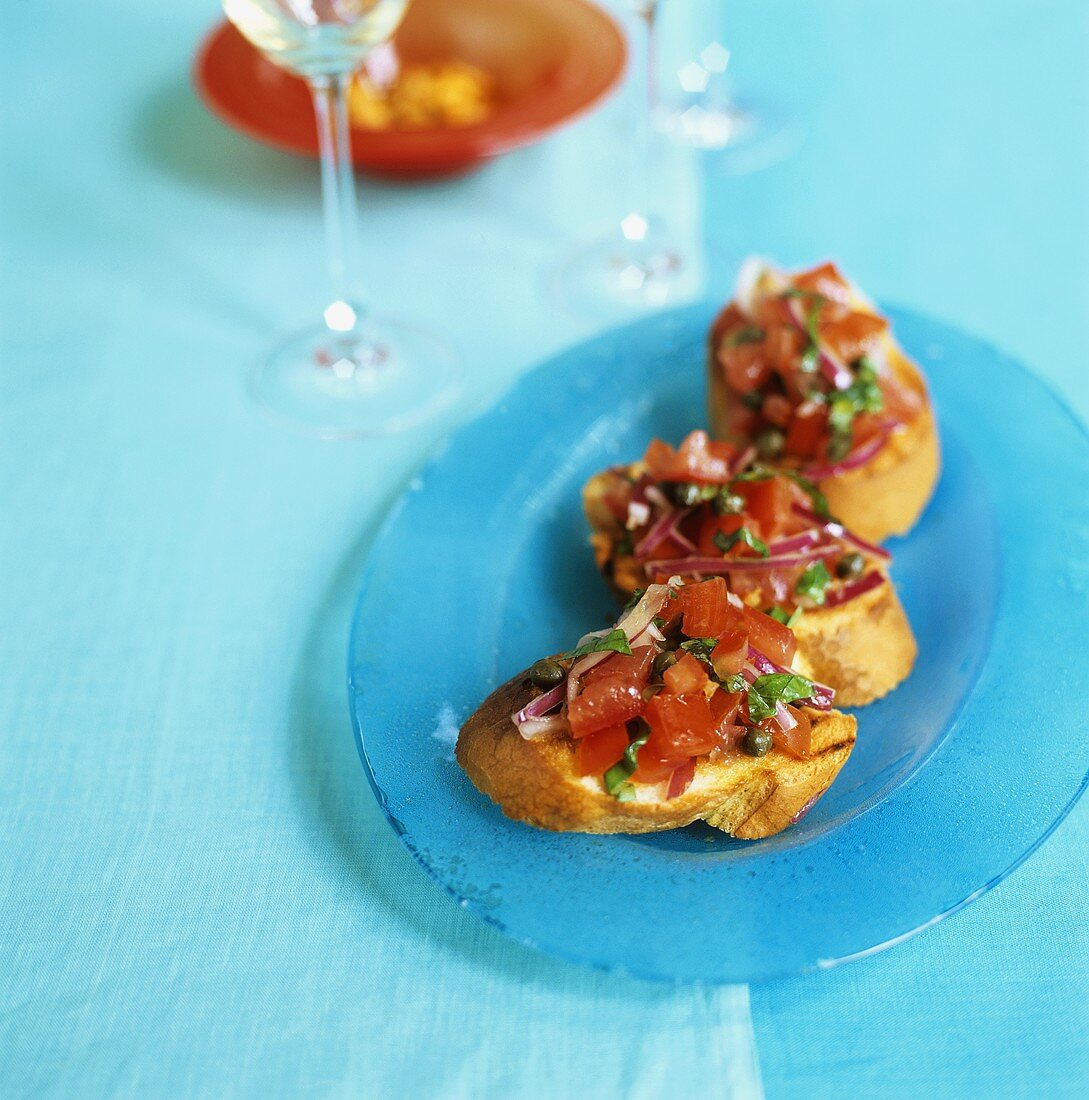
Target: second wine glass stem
column 338, row 200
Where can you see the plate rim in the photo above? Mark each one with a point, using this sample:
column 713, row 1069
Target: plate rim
column 608, row 336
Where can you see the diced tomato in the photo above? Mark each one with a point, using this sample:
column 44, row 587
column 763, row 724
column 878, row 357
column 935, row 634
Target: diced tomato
column 770, row 503
column 685, row 677
column 771, row 637
column 806, row 429
column 600, row 751
column 745, row 366
column 652, row 768
column 777, row 410
column 728, row 657
column 797, row 741
column 713, row 525
column 680, row 725
column 852, row 335
column 697, row 459
column 741, row 421
column 606, row 702
column 724, row 708
column 636, row 667
column 825, row 280
column 902, row 403
column 707, row 612
column 681, row 778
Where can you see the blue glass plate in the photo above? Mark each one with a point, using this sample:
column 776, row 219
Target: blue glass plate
column 957, row 776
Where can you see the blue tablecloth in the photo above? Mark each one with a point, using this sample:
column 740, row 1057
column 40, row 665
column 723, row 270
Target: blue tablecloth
column 199, row 894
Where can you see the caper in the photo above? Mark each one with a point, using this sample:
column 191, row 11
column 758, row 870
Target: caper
column 684, row 494
column 770, row 442
column 547, row 673
column 850, row 565
column 757, row 742
column 753, row 400
column 726, row 503
column 666, row 659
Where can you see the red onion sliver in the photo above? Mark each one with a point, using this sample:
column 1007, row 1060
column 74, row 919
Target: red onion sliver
column 796, row 542
column 658, row 533
column 839, row 596
column 681, row 777
column 783, row 718
column 832, row 367
column 534, row 729
column 743, row 461
column 838, row 531
column 858, row 457
column 541, row 705
column 721, row 566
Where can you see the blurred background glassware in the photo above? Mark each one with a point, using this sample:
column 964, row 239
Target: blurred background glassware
column 641, row 264
column 698, row 103
column 352, row 375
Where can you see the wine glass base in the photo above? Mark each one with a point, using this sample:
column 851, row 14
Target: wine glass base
column 617, row 277
column 379, row 378
column 745, row 137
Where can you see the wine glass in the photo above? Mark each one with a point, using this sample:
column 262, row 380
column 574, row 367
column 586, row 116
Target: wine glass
column 640, row 264
column 351, row 375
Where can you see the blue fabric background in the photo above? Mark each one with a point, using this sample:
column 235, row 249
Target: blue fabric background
column 199, row 895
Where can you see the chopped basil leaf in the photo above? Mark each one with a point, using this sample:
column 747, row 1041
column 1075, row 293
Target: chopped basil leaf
column 699, row 647
column 813, row 581
column 735, row 683
column 779, row 615
column 796, row 292
column 811, row 359
column 727, row 542
column 766, row 692
column 795, row 615
column 747, row 334
column 862, row 395
column 616, row 778
column 636, row 596
column 616, row 641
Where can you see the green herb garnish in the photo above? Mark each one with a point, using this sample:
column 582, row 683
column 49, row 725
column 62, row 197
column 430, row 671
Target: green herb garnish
column 700, row 648
column 787, row 618
column 735, row 683
column 813, row 581
column 747, row 334
column 615, row 641
column 862, row 395
column 760, row 472
column 616, row 778
column 727, row 542
column 767, row 692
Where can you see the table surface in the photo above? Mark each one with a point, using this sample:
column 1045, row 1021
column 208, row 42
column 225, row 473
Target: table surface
column 200, row 896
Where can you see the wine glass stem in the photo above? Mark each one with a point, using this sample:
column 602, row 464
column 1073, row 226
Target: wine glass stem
column 640, row 189
column 338, row 199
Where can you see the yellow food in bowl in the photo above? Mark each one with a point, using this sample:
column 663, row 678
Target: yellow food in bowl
column 450, row 93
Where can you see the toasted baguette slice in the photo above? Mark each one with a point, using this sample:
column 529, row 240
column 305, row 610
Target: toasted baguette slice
column 538, row 781
column 862, row 649
column 882, row 497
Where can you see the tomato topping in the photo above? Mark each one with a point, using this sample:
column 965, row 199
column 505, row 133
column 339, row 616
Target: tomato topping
column 797, row 741
column 713, row 525
column 600, row 751
column 686, row 676
column 724, row 708
column 729, row 317
column 606, row 702
column 746, row 366
column 680, row 779
column 770, row 503
column 777, row 410
column 680, row 725
column 707, row 612
column 697, row 459
column 652, row 768
column 728, row 657
column 635, row 668
column 853, row 335
column 826, row 281
column 806, row 429
column 772, row 638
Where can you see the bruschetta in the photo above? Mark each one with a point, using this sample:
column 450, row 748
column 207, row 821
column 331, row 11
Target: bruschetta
column 686, row 710
column 711, row 509
column 805, row 369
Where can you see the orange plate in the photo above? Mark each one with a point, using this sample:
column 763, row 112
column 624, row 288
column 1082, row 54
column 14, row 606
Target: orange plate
column 551, row 60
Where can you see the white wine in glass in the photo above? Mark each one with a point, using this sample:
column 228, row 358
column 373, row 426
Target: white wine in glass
column 351, row 375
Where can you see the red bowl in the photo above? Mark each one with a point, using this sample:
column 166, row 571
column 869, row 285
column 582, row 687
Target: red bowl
column 551, row 61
